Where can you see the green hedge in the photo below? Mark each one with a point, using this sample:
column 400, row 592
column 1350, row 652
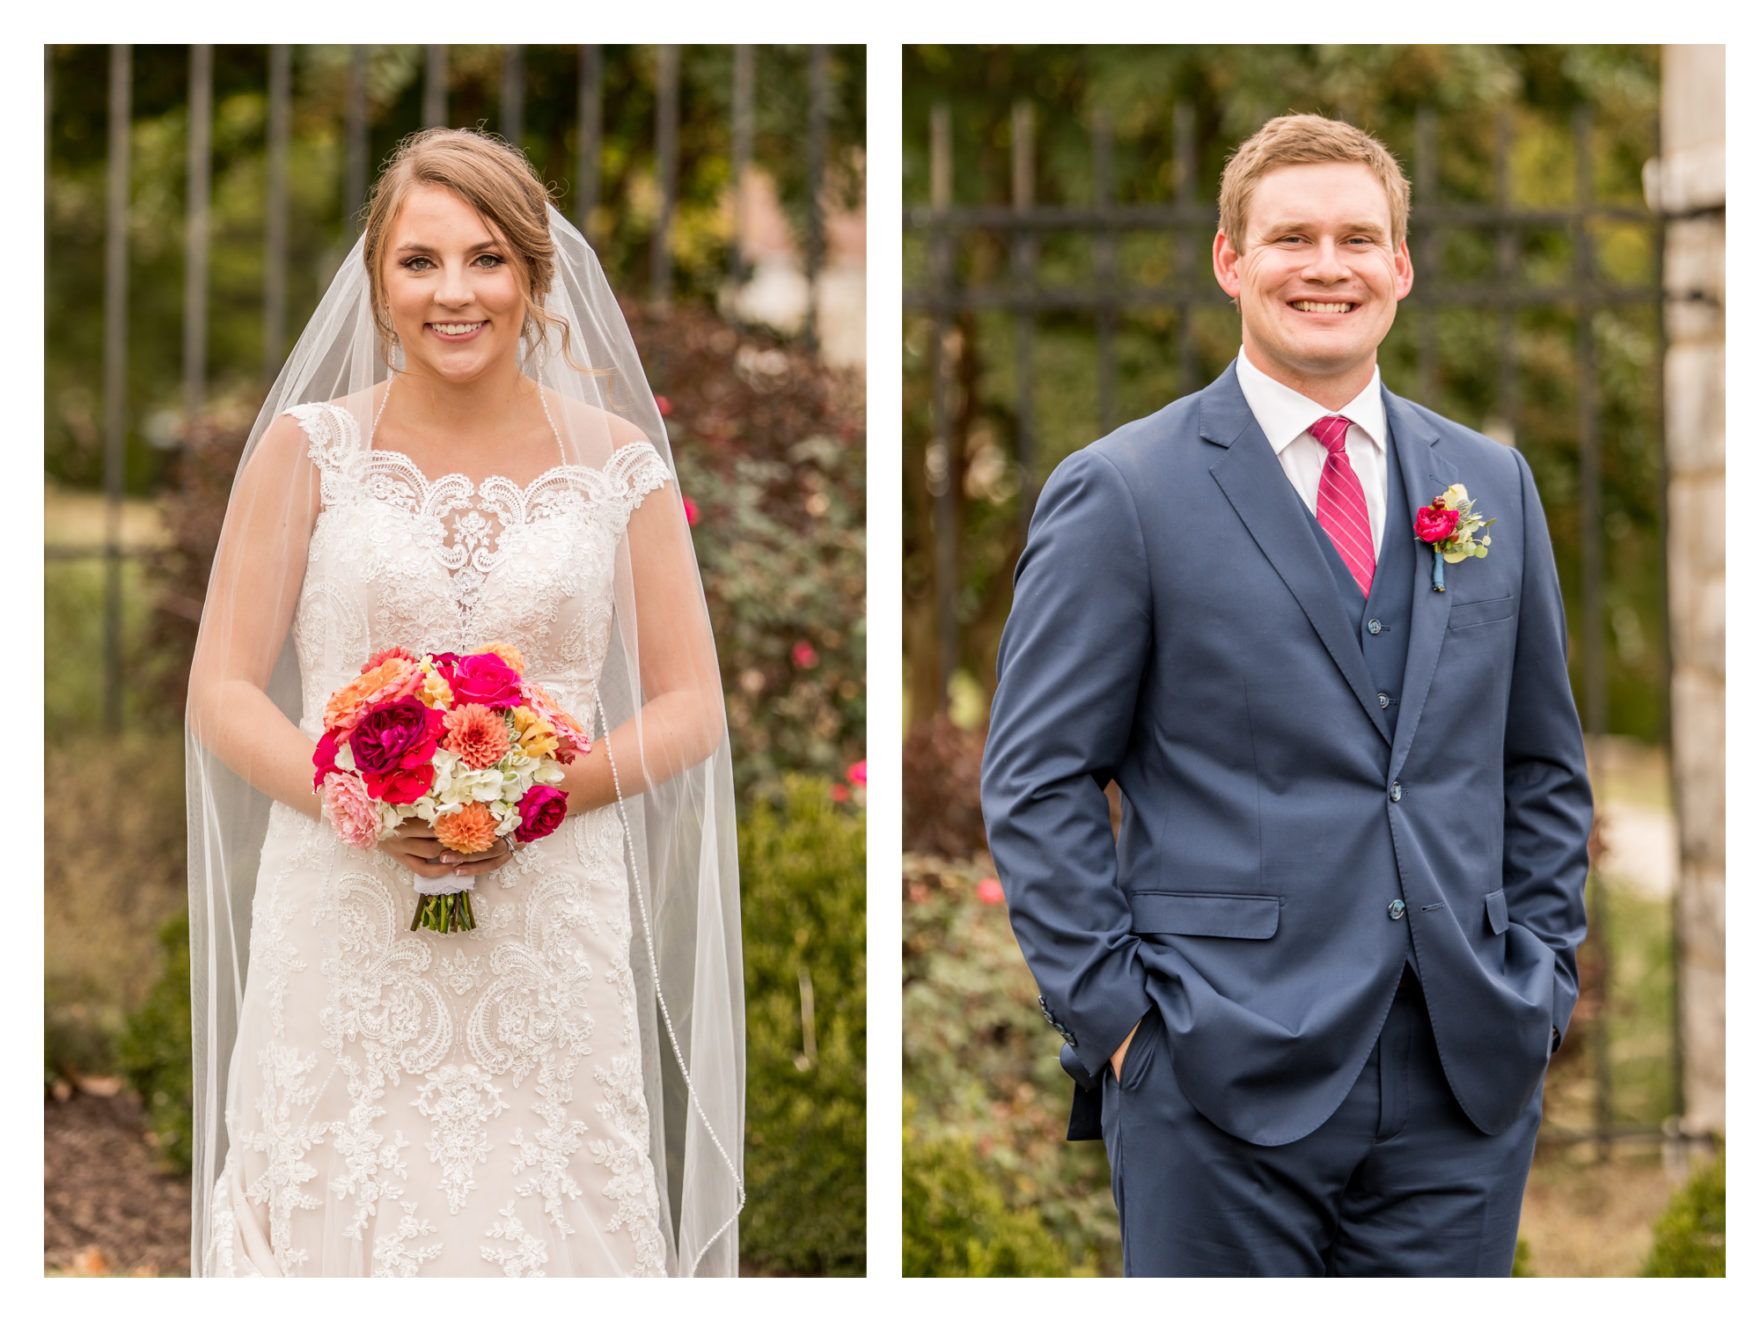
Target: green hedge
column 1689, row 1233
column 957, row 1223
column 153, row 1051
column 804, row 899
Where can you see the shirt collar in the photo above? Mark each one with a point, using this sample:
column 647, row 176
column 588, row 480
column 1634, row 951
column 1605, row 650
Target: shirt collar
column 1284, row 415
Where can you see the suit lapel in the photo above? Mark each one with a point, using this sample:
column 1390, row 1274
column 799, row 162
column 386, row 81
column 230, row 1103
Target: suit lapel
column 1425, row 478
column 1253, row 481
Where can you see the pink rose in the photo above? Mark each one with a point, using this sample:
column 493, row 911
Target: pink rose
column 804, row 656
column 351, row 811
column 485, row 680
column 540, row 811
column 399, row 735
column 1435, row 524
column 858, row 773
column 663, row 405
column 401, row 786
column 690, row 511
column 989, row 890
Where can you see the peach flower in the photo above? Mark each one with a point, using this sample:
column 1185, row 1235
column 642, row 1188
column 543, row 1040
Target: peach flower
column 389, row 653
column 435, row 692
column 537, row 736
column 351, row 811
column 389, row 680
column 570, row 737
column 477, row 734
column 470, row 830
column 510, row 655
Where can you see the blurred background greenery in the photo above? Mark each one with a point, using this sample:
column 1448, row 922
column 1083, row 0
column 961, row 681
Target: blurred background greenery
column 991, row 1186
column 770, row 444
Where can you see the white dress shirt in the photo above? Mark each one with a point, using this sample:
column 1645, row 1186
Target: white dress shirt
column 1285, row 417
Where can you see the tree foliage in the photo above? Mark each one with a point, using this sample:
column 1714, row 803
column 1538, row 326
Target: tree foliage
column 1137, row 93
column 321, row 222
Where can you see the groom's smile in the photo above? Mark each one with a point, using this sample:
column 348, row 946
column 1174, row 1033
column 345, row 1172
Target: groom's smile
column 1318, row 279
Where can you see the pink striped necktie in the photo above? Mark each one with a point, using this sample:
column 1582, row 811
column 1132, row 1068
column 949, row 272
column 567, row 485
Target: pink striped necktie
column 1341, row 508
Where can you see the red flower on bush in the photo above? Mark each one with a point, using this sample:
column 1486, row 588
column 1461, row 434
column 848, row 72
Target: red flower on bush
column 990, row 890
column 690, row 511
column 839, row 793
column 664, row 404
column 804, row 656
column 857, row 774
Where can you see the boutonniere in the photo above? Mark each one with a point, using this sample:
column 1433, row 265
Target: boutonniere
column 1449, row 526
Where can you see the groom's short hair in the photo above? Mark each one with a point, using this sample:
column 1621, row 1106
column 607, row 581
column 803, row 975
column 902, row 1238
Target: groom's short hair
column 1307, row 140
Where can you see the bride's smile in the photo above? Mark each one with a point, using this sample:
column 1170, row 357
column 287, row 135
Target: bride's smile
column 453, row 293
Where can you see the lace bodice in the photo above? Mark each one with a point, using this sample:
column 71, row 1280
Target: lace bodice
column 397, row 559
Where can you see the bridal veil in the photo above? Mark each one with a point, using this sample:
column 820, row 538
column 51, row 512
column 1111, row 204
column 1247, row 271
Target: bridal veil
column 675, row 798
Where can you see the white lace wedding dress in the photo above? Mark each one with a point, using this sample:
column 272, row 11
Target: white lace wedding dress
column 405, row 1103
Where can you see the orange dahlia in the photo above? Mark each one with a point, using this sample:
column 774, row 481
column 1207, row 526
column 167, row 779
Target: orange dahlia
column 477, row 734
column 387, row 681
column 510, row 655
column 470, row 830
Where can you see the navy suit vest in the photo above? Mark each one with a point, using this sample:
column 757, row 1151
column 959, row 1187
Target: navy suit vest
column 1383, row 621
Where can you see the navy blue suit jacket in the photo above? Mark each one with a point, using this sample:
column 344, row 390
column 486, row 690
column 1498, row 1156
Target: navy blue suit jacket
column 1176, row 629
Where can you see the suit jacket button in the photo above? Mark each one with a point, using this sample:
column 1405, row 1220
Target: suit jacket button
column 1375, row 627
column 1382, row 697
column 1396, row 909
column 1395, row 791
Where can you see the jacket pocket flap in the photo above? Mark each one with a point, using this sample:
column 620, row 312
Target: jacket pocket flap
column 1497, row 911
column 1468, row 613
column 1233, row 916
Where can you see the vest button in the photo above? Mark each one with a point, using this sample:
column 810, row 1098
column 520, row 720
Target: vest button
column 1396, row 909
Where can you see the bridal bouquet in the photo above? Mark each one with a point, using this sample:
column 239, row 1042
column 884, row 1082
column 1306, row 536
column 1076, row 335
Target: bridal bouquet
column 462, row 742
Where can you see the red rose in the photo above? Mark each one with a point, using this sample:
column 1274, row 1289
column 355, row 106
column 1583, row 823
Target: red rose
column 540, row 811
column 1435, row 525
column 324, row 757
column 399, row 735
column 485, row 680
column 400, row 786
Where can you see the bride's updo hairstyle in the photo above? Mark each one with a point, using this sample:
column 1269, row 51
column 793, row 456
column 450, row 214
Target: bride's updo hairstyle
column 496, row 181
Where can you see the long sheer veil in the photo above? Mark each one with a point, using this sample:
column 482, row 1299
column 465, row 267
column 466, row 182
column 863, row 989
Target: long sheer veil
column 675, row 802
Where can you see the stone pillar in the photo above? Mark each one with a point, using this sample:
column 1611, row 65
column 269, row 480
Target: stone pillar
column 1687, row 187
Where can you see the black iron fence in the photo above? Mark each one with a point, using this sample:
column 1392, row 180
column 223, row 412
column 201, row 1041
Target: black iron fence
column 347, row 106
column 1034, row 327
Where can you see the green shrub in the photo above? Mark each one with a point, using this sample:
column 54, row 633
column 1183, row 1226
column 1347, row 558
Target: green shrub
column 1689, row 1232
column 957, row 1224
column 802, row 873
column 154, row 1049
column 979, row 1062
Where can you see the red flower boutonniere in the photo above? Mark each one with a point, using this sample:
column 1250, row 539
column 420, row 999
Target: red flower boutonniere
column 1449, row 526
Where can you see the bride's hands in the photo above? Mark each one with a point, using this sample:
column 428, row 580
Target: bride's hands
column 415, row 847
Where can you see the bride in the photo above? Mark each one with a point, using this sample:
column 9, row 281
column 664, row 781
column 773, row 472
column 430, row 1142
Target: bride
column 462, row 452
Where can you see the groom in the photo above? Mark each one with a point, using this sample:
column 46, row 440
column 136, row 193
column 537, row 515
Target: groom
column 1310, row 992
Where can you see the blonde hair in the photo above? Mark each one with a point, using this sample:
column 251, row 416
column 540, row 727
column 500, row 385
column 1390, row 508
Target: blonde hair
column 496, row 181
column 1307, row 140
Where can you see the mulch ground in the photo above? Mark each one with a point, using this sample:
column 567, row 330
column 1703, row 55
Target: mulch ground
column 107, row 1208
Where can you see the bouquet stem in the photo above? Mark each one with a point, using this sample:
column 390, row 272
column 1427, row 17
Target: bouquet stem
column 444, row 913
